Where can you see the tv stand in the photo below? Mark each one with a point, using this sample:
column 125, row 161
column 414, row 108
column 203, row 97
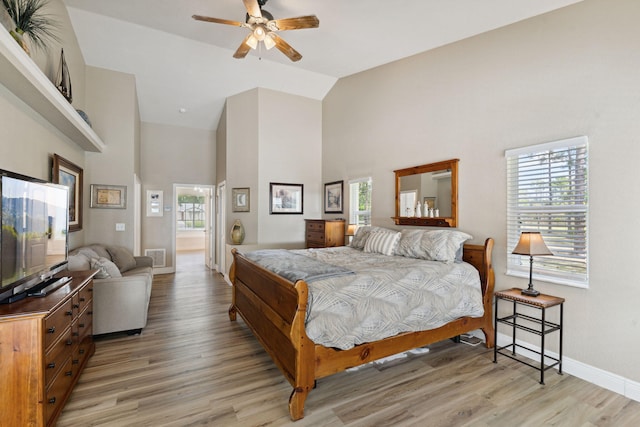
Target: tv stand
column 43, row 289
column 46, row 343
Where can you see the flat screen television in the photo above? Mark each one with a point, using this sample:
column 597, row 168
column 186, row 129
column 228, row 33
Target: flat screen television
column 34, row 239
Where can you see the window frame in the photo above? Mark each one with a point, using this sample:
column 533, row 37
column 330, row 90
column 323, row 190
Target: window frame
column 548, row 216
column 354, row 214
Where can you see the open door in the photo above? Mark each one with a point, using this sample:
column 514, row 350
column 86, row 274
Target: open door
column 209, row 240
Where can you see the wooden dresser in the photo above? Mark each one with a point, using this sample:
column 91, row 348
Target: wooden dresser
column 45, row 343
column 324, row 233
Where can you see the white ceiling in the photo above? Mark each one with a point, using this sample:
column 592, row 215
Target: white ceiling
column 182, row 63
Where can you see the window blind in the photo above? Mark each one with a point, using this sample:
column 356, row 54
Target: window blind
column 548, row 192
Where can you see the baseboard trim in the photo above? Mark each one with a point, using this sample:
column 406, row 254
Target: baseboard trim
column 610, row 381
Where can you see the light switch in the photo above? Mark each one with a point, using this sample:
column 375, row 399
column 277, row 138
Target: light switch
column 120, row 226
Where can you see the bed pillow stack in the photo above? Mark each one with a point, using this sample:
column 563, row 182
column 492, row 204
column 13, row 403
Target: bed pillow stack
column 432, row 245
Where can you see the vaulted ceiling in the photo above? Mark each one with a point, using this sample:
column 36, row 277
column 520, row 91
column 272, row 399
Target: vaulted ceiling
column 188, row 65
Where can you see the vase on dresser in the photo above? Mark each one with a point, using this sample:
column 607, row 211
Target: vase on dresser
column 237, row 232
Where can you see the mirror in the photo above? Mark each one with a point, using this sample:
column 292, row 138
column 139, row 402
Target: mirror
column 434, row 187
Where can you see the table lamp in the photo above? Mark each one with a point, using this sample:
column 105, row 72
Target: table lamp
column 531, row 243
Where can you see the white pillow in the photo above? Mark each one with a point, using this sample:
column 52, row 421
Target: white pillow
column 382, row 242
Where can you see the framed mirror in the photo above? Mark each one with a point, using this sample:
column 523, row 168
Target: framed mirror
column 427, row 195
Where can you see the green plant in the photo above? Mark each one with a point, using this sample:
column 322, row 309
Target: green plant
column 30, row 19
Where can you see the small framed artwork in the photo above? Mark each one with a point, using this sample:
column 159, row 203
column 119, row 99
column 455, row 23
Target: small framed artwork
column 429, row 203
column 70, row 175
column 240, row 202
column 108, row 196
column 154, row 202
column 285, row 198
column 333, row 197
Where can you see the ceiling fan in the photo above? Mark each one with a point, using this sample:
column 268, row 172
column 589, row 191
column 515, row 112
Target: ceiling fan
column 263, row 29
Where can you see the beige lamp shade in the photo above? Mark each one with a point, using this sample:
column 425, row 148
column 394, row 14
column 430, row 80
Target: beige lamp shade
column 351, row 230
column 531, row 243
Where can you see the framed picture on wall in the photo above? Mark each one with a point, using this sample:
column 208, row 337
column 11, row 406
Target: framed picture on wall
column 333, row 197
column 70, row 175
column 285, row 198
column 108, row 196
column 240, row 199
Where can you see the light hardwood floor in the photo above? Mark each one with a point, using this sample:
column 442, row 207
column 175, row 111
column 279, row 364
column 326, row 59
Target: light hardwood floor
column 192, row 366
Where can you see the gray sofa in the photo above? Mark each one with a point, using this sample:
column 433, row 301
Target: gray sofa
column 121, row 289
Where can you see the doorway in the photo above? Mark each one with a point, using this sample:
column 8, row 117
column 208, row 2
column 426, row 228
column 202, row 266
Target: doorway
column 193, row 225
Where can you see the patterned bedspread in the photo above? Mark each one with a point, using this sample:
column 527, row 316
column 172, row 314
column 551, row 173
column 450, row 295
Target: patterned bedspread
column 387, row 296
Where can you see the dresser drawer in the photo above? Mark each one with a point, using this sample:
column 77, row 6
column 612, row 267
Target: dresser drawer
column 57, row 322
column 82, row 352
column 85, row 296
column 56, row 393
column 83, row 325
column 55, row 358
column 316, row 237
column 315, row 226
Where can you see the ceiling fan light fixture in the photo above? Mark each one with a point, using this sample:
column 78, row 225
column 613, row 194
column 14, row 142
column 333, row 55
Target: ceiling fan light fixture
column 269, row 43
column 259, row 33
column 252, row 42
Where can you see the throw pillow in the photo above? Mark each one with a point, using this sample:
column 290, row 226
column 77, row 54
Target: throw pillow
column 122, row 258
column 106, row 269
column 78, row 262
column 382, row 242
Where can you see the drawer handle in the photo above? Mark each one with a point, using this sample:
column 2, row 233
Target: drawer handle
column 51, row 330
column 82, row 299
column 81, row 325
column 81, row 351
column 90, row 289
column 69, row 342
column 76, row 305
column 75, row 334
column 51, row 365
column 75, row 361
column 90, row 312
column 68, row 313
column 52, row 400
column 68, row 373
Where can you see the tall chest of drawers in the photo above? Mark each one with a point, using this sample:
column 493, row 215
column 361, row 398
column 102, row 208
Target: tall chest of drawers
column 324, row 233
column 45, row 343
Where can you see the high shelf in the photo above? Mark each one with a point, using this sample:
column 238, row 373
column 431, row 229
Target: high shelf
column 23, row 77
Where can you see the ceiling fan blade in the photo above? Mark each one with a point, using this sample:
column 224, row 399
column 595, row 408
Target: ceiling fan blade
column 218, row 20
column 243, row 49
column 253, row 8
column 286, row 48
column 301, row 22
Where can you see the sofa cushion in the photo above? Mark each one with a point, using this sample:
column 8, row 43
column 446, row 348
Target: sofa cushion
column 78, row 262
column 122, row 258
column 106, row 268
column 100, row 250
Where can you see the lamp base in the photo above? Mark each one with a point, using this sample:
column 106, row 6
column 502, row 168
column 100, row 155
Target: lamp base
column 530, row 292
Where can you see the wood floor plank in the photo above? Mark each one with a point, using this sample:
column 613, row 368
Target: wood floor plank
column 191, row 366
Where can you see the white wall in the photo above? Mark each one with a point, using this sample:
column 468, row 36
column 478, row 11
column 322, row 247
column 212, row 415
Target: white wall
column 567, row 73
column 273, row 137
column 172, row 155
column 27, row 141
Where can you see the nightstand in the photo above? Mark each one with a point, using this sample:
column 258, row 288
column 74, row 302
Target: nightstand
column 536, row 325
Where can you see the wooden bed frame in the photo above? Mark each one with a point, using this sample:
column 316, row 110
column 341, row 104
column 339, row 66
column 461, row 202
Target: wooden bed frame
column 275, row 309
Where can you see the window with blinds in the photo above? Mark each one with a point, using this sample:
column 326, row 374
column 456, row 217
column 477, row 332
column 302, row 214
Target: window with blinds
column 548, row 192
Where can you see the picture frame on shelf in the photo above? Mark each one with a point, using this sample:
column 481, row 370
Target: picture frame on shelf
column 240, row 199
column 429, row 203
column 108, row 196
column 70, row 175
column 333, row 197
column 286, row 198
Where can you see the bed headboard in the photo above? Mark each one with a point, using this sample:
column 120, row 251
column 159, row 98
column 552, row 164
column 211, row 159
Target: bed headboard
column 480, row 257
